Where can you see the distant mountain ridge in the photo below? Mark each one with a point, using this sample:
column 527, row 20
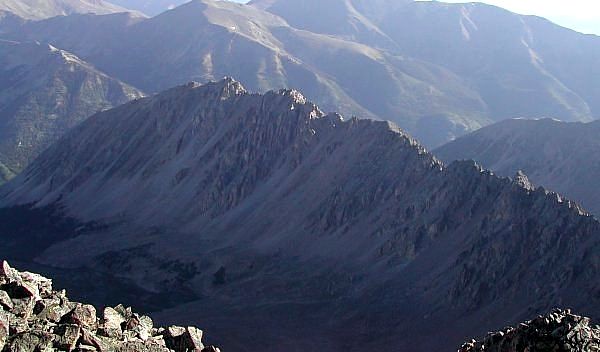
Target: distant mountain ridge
column 558, row 155
column 46, row 91
column 41, row 9
column 430, row 67
column 149, row 7
column 263, row 207
column 518, row 70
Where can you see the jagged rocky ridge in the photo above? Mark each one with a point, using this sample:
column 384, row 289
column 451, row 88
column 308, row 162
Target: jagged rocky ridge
column 559, row 330
column 562, row 156
column 34, row 317
column 265, row 207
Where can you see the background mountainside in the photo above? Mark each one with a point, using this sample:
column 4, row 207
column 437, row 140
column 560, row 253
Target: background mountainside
column 279, row 222
column 521, row 65
column 149, row 7
column 40, row 9
column 560, row 156
column 438, row 70
column 349, row 19
column 205, row 40
column 44, row 92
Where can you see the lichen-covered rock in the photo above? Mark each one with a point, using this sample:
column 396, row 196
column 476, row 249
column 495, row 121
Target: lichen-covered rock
column 31, row 341
column 184, row 339
column 67, row 336
column 8, row 274
column 4, row 329
column 559, row 331
column 141, row 326
column 112, row 321
column 34, row 318
column 83, row 315
column 5, row 300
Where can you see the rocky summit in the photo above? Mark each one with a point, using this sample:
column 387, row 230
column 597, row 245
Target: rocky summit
column 557, row 331
column 34, row 317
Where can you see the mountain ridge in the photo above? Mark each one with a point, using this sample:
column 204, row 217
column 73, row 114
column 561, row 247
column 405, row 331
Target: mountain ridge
column 464, row 31
column 50, row 91
column 149, row 7
column 36, row 10
column 265, row 201
column 436, row 96
column 550, row 152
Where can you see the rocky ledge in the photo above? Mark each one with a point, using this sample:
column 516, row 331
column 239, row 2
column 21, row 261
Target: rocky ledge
column 559, row 331
column 34, row 317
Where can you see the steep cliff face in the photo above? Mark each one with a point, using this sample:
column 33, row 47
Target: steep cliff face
column 44, row 92
column 252, row 200
column 557, row 155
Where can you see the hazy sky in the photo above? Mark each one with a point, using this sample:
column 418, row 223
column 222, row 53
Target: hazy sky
column 580, row 15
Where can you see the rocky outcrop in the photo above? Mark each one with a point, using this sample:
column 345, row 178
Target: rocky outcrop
column 34, row 317
column 558, row 331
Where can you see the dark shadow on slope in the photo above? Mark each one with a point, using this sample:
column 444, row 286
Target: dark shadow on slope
column 26, row 231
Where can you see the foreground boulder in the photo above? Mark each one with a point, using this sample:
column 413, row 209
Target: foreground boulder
column 559, row 331
column 34, row 317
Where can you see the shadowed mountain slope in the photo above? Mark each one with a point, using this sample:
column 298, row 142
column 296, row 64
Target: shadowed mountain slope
column 558, row 155
column 34, row 316
column 44, row 92
column 285, row 222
